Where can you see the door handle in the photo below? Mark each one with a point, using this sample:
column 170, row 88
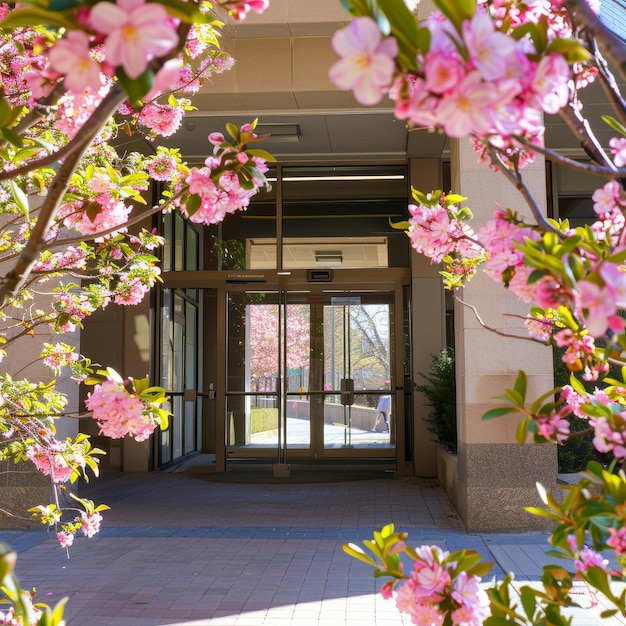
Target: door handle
column 347, row 391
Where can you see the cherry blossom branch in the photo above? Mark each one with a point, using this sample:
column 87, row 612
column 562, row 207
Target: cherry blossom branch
column 609, row 85
column 585, row 20
column 131, row 221
column 516, row 179
column 611, row 173
column 581, row 129
column 489, row 328
column 39, row 110
column 13, row 281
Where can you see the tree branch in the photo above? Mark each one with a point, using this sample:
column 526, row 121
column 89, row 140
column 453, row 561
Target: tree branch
column 489, row 328
column 14, row 279
column 582, row 131
column 586, row 21
column 586, row 168
column 516, row 179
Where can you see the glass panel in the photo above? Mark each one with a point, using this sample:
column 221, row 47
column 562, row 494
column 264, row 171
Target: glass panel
column 165, row 436
column 190, row 375
column 179, row 242
column 298, row 408
column 357, row 358
column 178, row 349
column 255, row 364
column 167, row 248
column 252, row 421
column 191, row 260
column 167, row 348
column 357, row 343
column 324, row 206
column 359, row 425
column 177, row 427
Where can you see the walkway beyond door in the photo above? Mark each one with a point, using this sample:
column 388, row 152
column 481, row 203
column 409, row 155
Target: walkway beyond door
column 309, row 375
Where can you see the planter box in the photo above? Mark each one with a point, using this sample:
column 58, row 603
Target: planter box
column 21, row 487
column 447, row 473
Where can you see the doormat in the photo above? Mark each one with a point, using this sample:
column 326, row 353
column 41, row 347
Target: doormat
column 254, row 474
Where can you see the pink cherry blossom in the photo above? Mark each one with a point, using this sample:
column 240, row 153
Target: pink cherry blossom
column 617, row 540
column 587, row 557
column 91, row 523
column 607, row 198
column 599, row 304
column 554, row 427
column 615, row 280
column 551, row 83
column 618, row 149
column 470, row 108
column 606, row 439
column 490, row 51
column 71, row 57
column 136, row 33
column 65, row 539
column 443, row 72
column 117, row 413
column 367, row 63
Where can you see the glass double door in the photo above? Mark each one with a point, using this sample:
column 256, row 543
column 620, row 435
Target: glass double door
column 309, row 374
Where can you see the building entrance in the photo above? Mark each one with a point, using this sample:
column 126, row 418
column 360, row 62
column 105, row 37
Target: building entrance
column 309, row 375
column 287, row 370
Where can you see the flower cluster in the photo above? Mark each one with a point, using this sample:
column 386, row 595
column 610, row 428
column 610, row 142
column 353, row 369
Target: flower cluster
column 132, row 33
column 438, row 229
column 119, row 413
column 441, row 588
column 435, row 589
column 467, row 73
column 231, row 176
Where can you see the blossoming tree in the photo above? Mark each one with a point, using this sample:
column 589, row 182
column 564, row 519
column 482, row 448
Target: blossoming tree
column 77, row 78
column 489, row 70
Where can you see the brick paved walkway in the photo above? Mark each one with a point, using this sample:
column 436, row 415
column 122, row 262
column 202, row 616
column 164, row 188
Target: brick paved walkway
column 182, row 549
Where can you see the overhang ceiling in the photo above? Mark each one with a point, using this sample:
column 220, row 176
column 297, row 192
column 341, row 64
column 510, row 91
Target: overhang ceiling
column 281, row 78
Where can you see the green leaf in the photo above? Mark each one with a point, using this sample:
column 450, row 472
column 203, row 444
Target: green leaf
column 192, row 204
column 20, row 198
column 357, row 552
column 614, row 124
column 521, row 385
column 233, row 131
column 521, row 430
column 403, row 26
column 571, row 49
column 5, row 111
column 457, row 11
column 529, row 602
column 135, row 88
column 63, row 5
column 12, row 137
column 499, row 412
column 33, row 16
column 515, row 397
column 577, row 385
column 542, row 512
column 262, row 154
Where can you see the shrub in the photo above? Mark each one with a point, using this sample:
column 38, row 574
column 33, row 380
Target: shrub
column 440, row 392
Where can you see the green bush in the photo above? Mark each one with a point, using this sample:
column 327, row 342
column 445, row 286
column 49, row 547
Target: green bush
column 576, row 452
column 440, row 391
column 263, row 419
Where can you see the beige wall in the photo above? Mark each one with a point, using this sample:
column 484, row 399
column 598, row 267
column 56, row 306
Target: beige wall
column 428, row 324
column 497, row 477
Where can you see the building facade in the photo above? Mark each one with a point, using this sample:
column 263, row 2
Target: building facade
column 279, row 331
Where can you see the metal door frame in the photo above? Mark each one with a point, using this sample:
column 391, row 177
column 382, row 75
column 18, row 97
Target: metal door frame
column 342, row 281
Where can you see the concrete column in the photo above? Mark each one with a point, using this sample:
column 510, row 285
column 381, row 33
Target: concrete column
column 428, row 316
column 497, row 477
